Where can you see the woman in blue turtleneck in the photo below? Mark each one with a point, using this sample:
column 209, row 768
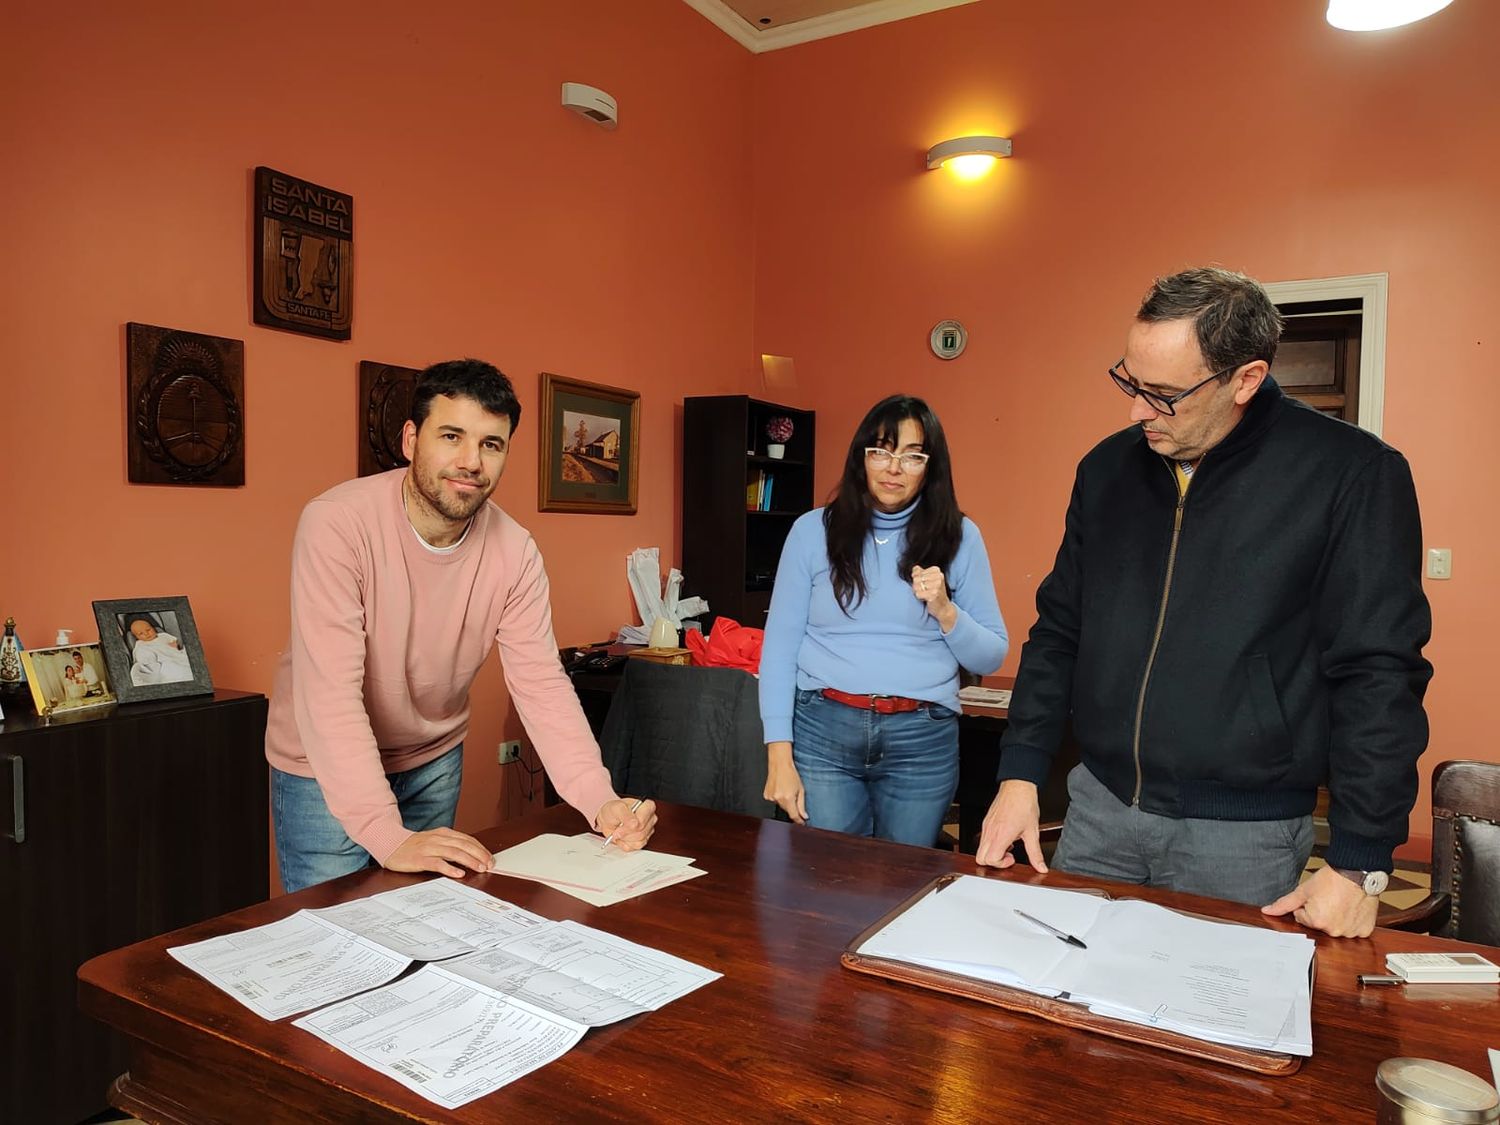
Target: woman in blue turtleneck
column 879, row 598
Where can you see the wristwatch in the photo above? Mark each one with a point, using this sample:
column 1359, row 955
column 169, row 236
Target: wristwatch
column 1373, row 883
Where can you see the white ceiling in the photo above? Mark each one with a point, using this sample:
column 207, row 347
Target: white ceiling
column 767, row 25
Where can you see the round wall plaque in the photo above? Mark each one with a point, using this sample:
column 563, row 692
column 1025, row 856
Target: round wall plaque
column 948, row 339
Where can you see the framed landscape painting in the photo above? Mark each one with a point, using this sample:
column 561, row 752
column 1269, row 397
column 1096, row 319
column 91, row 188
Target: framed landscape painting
column 590, row 447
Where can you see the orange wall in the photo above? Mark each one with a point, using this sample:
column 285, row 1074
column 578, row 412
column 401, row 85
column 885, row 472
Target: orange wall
column 772, row 203
column 1148, row 137
column 489, row 221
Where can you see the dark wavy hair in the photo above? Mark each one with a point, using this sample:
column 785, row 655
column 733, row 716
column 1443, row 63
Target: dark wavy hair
column 483, row 382
column 1234, row 318
column 936, row 526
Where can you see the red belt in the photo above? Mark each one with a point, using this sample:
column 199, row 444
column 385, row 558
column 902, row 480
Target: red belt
column 880, row 704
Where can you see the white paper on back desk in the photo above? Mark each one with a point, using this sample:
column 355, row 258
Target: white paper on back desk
column 977, row 696
column 1242, row 985
column 578, row 866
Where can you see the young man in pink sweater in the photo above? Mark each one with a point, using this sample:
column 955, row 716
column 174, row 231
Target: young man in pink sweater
column 401, row 585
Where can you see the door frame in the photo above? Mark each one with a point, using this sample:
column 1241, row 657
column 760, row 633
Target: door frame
column 1371, row 291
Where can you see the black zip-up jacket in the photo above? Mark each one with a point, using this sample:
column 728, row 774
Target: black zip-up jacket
column 1223, row 653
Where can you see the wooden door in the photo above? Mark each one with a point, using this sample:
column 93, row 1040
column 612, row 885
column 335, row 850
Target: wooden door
column 1318, row 360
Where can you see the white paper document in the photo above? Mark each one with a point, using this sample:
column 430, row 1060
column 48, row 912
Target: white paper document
column 456, row 1031
column 1239, row 985
column 582, row 974
column 579, row 866
column 318, row 956
column 433, row 920
column 292, row 965
column 442, row 1037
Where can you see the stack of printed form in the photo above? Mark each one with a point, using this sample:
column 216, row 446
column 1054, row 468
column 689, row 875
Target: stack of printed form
column 514, row 990
column 600, row 876
column 1141, row 963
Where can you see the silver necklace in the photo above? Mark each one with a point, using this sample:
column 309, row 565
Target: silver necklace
column 881, row 541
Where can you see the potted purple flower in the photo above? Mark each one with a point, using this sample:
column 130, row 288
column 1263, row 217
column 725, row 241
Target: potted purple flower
column 778, row 433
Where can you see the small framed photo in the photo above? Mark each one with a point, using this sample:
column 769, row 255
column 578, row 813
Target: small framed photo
column 69, row 678
column 590, row 447
column 152, row 648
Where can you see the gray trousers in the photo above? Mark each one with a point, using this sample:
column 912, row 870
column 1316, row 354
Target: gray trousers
column 1251, row 861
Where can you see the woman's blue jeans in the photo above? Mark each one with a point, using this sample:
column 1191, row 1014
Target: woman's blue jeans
column 312, row 847
column 867, row 774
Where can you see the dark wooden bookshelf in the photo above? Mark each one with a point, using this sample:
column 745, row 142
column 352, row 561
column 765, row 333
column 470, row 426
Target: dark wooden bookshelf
column 729, row 551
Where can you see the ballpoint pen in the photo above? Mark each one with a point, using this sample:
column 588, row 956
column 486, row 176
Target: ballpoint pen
column 611, row 837
column 1053, row 930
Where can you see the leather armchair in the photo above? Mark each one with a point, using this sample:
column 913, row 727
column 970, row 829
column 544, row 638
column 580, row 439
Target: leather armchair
column 1465, row 898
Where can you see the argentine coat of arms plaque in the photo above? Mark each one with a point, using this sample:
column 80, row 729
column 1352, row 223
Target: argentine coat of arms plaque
column 304, row 261
column 384, row 405
column 186, row 418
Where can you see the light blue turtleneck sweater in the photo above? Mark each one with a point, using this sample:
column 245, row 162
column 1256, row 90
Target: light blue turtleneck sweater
column 887, row 644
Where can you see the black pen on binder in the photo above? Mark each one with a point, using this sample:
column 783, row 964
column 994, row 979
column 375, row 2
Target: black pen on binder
column 1053, row 930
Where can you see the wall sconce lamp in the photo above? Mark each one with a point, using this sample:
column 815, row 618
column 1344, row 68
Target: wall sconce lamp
column 1376, row 15
column 969, row 157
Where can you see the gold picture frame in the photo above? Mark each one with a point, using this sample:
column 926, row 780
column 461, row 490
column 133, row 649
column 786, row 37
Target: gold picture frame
column 590, row 447
column 68, row 678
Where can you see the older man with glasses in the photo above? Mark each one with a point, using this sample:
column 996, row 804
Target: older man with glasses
column 1235, row 617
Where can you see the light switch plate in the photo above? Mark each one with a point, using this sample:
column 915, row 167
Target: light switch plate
column 1439, row 562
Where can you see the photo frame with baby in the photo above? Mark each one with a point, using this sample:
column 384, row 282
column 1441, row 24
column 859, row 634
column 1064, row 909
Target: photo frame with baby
column 152, row 648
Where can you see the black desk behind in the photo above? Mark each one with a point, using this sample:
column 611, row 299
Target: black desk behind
column 979, row 731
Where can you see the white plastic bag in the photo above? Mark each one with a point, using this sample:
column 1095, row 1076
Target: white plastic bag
column 643, row 572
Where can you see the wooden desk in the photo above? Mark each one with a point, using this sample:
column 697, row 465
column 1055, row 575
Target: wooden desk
column 787, row 1034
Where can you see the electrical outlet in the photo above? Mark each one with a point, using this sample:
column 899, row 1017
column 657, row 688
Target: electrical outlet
column 1439, row 562
column 510, row 751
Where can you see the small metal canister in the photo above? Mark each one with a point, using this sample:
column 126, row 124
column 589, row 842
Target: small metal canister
column 1426, row 1092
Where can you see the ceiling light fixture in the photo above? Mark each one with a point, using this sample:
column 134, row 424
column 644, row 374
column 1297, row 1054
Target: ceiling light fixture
column 1376, row 15
column 970, row 157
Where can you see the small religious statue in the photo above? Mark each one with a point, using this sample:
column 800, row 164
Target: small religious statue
column 12, row 675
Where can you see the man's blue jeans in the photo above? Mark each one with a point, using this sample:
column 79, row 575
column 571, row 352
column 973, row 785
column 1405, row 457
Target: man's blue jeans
column 890, row 776
column 312, row 847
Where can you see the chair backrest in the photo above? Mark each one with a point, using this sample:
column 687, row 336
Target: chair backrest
column 1466, row 848
column 688, row 735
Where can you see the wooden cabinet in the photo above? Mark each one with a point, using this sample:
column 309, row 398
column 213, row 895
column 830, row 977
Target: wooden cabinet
column 135, row 821
column 730, row 548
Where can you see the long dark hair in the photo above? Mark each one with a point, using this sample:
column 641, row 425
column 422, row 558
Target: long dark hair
column 936, row 527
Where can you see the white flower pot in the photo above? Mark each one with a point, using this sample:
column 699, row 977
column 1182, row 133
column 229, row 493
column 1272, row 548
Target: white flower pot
column 776, row 450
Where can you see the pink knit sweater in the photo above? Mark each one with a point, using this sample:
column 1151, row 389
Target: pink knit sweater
column 386, row 638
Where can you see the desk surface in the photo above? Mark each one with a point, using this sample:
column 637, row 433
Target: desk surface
column 787, row 1034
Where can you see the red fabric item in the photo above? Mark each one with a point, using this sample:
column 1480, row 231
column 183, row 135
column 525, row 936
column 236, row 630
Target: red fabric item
column 730, row 645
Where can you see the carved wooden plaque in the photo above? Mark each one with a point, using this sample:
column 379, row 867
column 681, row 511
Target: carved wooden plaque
column 384, row 406
column 304, row 262
column 186, row 407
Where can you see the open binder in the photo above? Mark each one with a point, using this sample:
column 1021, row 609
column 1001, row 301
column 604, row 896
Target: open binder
column 1056, row 1010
